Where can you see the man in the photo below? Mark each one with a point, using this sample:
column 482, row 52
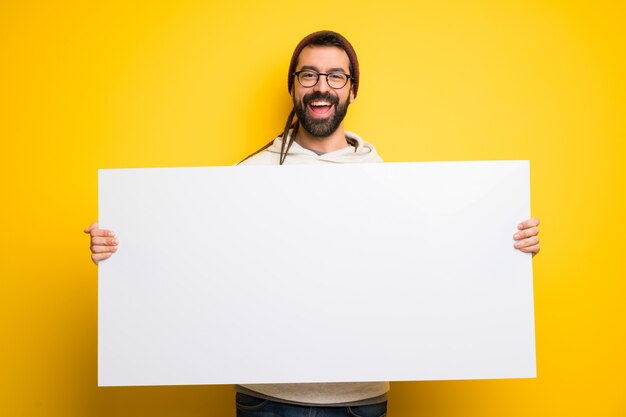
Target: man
column 323, row 81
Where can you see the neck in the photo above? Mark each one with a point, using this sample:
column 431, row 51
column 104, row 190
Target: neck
column 334, row 142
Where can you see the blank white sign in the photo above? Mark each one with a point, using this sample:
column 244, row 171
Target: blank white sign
column 315, row 273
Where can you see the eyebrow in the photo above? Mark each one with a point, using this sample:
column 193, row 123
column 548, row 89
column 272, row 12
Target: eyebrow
column 312, row 68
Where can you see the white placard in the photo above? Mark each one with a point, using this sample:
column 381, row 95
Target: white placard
column 315, row 273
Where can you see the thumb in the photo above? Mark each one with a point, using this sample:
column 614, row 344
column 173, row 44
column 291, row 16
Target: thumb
column 93, row 226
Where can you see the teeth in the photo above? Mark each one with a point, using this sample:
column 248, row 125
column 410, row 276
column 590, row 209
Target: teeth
column 320, row 103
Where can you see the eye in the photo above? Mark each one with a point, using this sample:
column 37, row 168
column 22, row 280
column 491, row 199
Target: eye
column 337, row 76
column 308, row 75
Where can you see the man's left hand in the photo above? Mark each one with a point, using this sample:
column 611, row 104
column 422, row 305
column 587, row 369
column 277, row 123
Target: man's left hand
column 526, row 238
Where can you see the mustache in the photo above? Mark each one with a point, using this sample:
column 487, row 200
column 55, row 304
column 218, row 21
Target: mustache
column 317, row 95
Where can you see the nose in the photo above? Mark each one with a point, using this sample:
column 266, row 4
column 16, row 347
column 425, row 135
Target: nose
column 322, row 84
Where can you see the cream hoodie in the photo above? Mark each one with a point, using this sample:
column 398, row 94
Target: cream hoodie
column 362, row 152
column 319, row 393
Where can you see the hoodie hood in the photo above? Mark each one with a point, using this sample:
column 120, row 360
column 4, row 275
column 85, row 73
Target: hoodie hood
column 358, row 151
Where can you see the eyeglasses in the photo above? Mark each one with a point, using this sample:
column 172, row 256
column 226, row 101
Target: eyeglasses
column 309, row 78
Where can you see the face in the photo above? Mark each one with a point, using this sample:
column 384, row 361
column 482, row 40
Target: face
column 320, row 108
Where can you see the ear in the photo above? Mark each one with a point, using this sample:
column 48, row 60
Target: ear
column 292, row 92
column 351, row 95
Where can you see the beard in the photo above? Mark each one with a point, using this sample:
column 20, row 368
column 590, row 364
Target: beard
column 325, row 127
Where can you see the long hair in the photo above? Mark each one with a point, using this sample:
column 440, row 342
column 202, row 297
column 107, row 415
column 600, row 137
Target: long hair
column 286, row 139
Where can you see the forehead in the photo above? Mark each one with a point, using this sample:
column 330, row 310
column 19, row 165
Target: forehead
column 324, row 58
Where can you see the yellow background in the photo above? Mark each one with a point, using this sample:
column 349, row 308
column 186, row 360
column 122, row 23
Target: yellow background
column 190, row 83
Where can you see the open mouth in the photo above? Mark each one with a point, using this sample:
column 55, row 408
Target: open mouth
column 320, row 108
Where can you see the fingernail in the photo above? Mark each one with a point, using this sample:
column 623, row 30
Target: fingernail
column 518, row 244
column 516, row 236
column 114, row 241
column 114, row 249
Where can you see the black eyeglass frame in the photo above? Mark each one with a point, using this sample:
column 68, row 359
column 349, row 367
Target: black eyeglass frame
column 297, row 75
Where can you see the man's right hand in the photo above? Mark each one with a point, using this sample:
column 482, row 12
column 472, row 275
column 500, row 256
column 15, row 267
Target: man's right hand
column 103, row 243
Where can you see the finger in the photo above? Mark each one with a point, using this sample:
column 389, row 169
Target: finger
column 103, row 249
column 93, row 226
column 102, row 233
column 533, row 231
column 527, row 242
column 104, row 241
column 97, row 257
column 532, row 222
column 531, row 249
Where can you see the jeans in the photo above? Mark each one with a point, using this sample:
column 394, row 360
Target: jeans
column 248, row 406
